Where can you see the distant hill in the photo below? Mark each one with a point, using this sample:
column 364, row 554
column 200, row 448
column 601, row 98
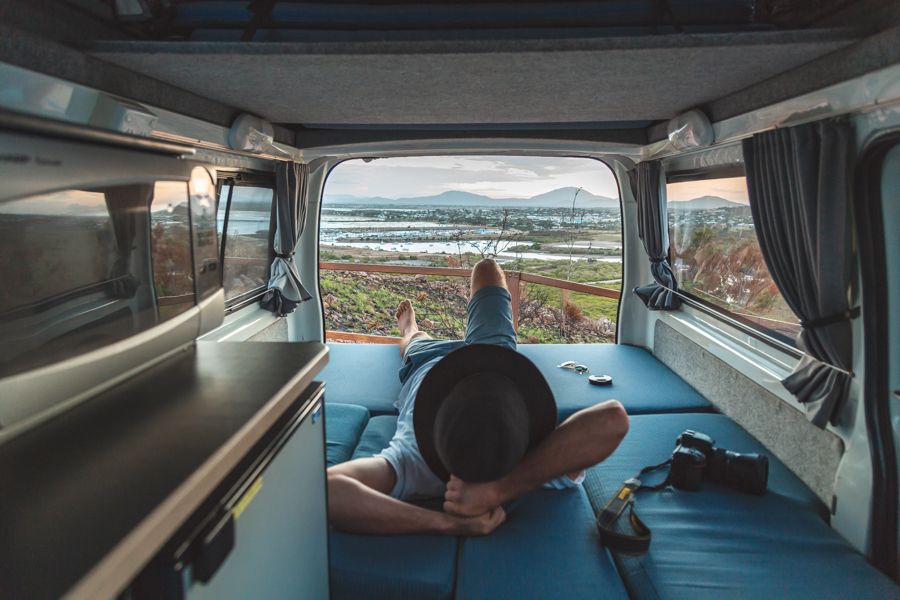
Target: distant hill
column 558, row 198
column 706, row 203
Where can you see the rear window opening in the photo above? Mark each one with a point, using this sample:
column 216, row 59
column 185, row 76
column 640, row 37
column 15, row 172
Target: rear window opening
column 412, row 227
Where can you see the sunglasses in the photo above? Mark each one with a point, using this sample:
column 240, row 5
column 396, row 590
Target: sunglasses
column 574, row 366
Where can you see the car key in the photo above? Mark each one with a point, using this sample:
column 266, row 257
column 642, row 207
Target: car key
column 600, row 380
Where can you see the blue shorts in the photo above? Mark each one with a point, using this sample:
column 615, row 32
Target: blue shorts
column 490, row 322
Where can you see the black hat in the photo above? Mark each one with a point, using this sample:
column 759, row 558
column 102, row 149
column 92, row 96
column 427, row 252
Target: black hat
column 479, row 410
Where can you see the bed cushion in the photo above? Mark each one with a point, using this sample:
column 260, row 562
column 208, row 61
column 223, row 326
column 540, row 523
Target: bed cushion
column 344, row 424
column 366, row 374
column 381, row 567
column 640, row 381
column 390, row 567
column 721, row 543
column 376, row 436
column 548, row 548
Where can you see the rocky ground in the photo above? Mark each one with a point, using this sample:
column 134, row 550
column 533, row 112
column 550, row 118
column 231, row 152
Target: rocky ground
column 365, row 303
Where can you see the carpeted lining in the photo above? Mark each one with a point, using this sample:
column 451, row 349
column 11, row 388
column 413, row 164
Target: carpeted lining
column 811, row 453
column 475, row 81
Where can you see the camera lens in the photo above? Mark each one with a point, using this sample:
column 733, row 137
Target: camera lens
column 747, row 472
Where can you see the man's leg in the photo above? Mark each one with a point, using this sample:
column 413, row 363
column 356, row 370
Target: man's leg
column 485, row 273
column 581, row 441
column 490, row 314
column 358, row 502
column 409, row 328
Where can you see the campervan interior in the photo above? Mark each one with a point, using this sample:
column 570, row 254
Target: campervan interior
column 210, row 209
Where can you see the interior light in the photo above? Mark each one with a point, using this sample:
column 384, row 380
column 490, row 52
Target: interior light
column 690, row 130
column 251, row 134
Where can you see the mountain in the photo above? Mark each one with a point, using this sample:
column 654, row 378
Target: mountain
column 563, row 197
column 558, row 198
column 705, row 203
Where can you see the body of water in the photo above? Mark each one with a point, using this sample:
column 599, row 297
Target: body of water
column 589, row 244
column 451, row 248
column 246, row 222
column 346, row 224
column 403, row 237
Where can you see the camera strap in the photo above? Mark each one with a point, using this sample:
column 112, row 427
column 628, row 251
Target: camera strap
column 638, row 542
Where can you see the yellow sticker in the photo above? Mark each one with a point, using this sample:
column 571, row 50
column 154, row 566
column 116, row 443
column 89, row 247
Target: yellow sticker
column 623, row 493
column 247, row 498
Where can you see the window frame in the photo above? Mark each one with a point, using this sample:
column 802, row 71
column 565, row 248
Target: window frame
column 257, row 179
column 771, row 338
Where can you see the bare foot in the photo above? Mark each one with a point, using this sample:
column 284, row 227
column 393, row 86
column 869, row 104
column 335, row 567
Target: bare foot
column 470, row 499
column 406, row 319
column 478, row 525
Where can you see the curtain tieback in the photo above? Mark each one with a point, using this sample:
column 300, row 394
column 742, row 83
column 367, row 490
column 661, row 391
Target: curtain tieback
column 830, row 319
column 285, row 256
column 659, row 260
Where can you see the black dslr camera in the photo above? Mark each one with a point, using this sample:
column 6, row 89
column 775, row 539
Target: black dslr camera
column 696, row 458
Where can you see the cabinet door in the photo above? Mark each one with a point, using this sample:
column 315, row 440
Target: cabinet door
column 281, row 540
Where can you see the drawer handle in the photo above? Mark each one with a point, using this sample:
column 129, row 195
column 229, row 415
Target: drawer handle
column 215, row 546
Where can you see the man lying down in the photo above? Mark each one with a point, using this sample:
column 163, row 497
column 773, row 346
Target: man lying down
column 477, row 426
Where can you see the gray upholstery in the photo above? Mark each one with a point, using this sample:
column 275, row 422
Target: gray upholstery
column 475, row 81
column 811, row 453
column 876, row 52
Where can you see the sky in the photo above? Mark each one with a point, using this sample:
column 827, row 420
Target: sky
column 493, row 176
column 730, row 188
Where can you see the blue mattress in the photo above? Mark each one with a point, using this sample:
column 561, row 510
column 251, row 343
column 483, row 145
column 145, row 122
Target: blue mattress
column 547, row 548
column 721, row 543
column 376, row 436
column 550, row 535
column 640, row 381
column 344, row 424
column 715, row 543
column 366, row 374
column 379, row 567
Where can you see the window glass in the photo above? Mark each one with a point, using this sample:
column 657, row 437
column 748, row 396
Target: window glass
column 37, row 236
column 203, row 225
column 84, row 268
column 243, row 225
column 716, row 254
column 170, row 239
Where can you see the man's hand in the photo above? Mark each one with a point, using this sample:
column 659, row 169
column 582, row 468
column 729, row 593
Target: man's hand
column 481, row 525
column 470, row 499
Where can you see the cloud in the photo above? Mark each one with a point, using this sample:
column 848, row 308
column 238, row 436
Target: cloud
column 494, row 176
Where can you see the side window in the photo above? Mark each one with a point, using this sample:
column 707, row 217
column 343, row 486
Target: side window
column 85, row 268
column 716, row 255
column 36, row 235
column 244, row 223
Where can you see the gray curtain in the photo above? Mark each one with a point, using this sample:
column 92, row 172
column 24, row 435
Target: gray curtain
column 653, row 229
column 286, row 290
column 799, row 182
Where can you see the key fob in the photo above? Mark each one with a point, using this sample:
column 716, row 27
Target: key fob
column 600, row 380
